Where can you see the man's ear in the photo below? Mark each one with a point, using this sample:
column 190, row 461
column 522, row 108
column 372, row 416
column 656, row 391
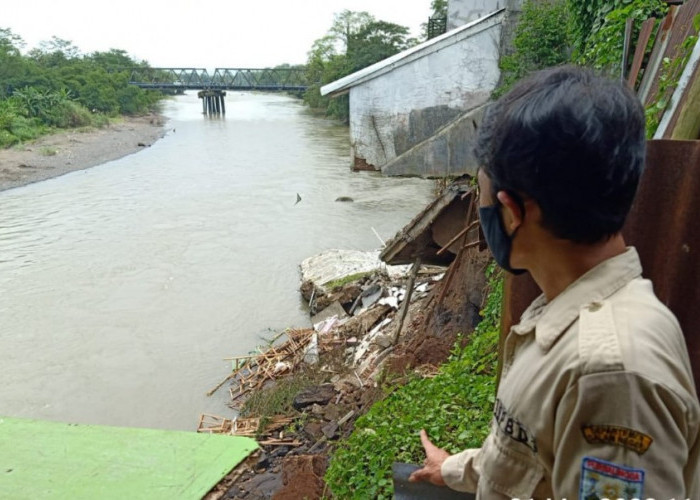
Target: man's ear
column 513, row 215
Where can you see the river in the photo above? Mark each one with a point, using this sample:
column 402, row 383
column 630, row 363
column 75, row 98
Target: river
column 123, row 287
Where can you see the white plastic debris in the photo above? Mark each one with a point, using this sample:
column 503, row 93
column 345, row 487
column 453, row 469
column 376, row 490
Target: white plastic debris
column 389, row 301
column 311, row 351
column 335, row 264
column 423, row 287
column 363, row 347
column 325, row 326
column 281, row 367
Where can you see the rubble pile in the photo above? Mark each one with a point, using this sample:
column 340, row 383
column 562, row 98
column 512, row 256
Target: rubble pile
column 354, row 332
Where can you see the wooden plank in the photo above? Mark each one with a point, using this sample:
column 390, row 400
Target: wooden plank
column 626, row 44
column 642, row 42
column 654, row 63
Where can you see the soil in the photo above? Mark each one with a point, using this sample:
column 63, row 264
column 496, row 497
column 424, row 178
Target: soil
column 66, row 151
column 430, row 330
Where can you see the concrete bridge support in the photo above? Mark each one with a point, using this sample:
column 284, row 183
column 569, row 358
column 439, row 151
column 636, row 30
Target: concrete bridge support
column 212, row 102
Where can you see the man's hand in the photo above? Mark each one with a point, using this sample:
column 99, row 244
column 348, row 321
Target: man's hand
column 434, row 457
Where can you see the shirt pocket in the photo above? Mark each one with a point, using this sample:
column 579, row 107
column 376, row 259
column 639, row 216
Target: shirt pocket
column 508, row 471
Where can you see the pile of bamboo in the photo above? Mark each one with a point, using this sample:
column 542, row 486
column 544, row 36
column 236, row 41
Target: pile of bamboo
column 268, row 431
column 251, row 372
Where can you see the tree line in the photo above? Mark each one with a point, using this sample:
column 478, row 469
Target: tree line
column 54, row 86
column 354, row 41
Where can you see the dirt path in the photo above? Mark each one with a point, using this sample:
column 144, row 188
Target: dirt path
column 67, row 151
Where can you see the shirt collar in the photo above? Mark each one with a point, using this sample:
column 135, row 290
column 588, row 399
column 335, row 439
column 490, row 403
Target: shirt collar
column 550, row 320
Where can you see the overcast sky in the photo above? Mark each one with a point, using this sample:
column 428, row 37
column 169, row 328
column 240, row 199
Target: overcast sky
column 197, row 33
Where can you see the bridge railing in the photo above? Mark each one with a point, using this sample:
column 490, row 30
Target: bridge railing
column 260, row 78
column 276, row 79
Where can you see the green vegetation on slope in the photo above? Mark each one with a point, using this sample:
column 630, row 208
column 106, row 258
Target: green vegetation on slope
column 454, row 407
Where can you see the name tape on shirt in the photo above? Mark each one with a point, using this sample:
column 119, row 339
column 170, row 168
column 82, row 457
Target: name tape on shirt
column 617, row 435
column 512, row 427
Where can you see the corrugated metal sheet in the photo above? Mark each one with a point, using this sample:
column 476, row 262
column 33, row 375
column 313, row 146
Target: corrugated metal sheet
column 663, row 225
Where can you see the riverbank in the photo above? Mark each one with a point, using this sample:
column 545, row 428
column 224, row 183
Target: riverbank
column 301, row 398
column 67, row 151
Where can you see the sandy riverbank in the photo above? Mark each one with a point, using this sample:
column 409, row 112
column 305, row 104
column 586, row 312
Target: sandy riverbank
column 67, row 151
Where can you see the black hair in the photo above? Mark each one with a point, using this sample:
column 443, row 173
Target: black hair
column 574, row 142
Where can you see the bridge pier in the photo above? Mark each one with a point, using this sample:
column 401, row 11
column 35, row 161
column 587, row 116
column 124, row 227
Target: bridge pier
column 212, row 101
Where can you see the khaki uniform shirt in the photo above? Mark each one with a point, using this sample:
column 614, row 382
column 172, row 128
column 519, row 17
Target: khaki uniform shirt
column 596, row 399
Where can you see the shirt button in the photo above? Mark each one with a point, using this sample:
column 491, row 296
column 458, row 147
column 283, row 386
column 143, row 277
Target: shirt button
column 594, row 306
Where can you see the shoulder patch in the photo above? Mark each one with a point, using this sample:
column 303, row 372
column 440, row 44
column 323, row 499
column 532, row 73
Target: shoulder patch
column 619, row 436
column 601, row 479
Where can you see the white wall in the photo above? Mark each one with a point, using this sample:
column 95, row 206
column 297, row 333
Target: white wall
column 461, row 12
column 460, row 76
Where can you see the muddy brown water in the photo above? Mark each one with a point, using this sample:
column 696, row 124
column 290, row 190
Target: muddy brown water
column 123, row 286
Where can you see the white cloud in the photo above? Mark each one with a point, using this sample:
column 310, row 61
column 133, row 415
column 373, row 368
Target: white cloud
column 189, row 33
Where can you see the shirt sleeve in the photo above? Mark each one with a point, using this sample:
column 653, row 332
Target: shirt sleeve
column 461, row 471
column 618, row 430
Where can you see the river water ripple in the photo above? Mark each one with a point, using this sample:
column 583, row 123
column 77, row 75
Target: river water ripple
column 123, row 286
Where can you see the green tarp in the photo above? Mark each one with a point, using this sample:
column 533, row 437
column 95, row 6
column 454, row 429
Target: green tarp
column 51, row 460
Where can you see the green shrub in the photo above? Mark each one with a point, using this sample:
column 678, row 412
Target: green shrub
column 26, row 129
column 604, row 46
column 454, row 407
column 669, row 76
column 542, row 39
column 7, row 139
column 74, row 115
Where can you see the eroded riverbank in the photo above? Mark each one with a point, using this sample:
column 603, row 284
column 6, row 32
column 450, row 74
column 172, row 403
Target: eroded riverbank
column 67, row 151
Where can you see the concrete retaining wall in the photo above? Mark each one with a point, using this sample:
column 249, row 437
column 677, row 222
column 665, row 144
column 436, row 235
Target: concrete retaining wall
column 398, row 109
column 461, row 12
column 446, row 154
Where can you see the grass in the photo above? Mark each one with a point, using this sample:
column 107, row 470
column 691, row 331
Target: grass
column 277, row 398
column 332, row 285
column 454, row 408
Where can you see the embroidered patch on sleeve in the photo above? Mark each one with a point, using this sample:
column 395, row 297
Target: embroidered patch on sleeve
column 601, row 479
column 616, row 435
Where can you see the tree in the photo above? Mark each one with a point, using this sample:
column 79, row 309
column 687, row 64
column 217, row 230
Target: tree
column 354, row 41
column 14, row 69
column 10, row 44
column 376, row 41
column 114, row 59
column 346, row 25
column 55, row 52
column 439, row 8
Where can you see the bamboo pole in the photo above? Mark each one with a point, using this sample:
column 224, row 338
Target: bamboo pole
column 406, row 302
column 457, row 236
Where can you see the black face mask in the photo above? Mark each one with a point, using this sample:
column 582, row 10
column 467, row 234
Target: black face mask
column 496, row 237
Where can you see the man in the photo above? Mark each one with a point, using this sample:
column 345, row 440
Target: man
column 596, row 398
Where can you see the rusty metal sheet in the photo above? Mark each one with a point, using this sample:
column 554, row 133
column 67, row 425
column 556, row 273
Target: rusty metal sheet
column 663, row 226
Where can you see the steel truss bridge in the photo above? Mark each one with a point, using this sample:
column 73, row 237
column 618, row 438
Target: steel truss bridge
column 179, row 79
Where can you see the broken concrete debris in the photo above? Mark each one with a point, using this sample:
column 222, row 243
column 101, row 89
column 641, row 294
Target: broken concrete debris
column 352, row 341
